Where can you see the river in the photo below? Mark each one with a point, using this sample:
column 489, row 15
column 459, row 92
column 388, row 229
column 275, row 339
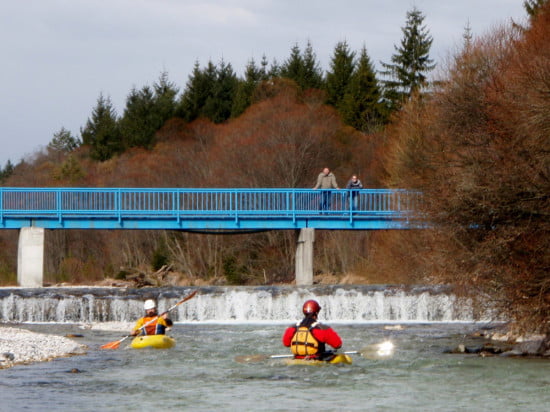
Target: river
column 201, row 373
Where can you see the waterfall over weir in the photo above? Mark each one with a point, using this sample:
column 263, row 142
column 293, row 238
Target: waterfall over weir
column 340, row 303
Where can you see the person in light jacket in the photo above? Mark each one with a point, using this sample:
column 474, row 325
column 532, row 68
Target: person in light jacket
column 326, row 181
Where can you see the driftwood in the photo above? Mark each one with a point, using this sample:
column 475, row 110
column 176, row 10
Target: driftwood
column 143, row 279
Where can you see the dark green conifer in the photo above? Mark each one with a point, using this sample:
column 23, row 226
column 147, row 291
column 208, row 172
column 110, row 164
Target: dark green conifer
column 361, row 106
column 410, row 64
column 199, row 87
column 102, row 132
column 220, row 101
column 342, row 66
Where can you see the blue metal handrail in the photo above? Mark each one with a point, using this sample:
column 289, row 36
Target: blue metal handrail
column 183, row 208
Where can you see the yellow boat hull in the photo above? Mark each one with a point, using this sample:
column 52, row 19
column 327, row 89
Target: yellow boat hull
column 339, row 358
column 153, row 341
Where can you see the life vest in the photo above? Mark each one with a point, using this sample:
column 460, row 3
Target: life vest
column 157, row 327
column 303, row 342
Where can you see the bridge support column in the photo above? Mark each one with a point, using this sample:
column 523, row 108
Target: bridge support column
column 304, row 257
column 30, row 257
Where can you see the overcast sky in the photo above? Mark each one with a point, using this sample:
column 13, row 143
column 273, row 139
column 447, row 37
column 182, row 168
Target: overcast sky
column 59, row 55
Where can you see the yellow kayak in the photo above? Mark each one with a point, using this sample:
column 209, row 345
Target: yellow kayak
column 338, row 358
column 153, row 341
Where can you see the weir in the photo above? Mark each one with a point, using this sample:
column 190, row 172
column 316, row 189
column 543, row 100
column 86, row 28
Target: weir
column 340, row 303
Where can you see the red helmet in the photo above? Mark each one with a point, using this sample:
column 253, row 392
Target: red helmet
column 311, row 307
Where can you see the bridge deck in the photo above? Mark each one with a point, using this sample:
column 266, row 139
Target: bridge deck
column 206, row 209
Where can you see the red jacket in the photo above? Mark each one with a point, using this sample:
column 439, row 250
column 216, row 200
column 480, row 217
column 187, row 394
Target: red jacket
column 323, row 333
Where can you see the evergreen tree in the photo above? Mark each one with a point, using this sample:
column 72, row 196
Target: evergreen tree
column 361, row 106
column 342, row 66
column 264, row 72
column 63, row 141
column 165, row 98
column 312, row 77
column 304, row 68
column 220, row 101
column 101, row 132
column 146, row 112
column 274, row 69
column 137, row 123
column 7, row 171
column 411, row 63
column 199, row 87
column 293, row 67
column 246, row 87
column 532, row 7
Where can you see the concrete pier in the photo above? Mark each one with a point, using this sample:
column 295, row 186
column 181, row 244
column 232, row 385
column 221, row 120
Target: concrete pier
column 304, row 257
column 30, row 257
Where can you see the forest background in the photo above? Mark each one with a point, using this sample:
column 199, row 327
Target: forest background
column 473, row 136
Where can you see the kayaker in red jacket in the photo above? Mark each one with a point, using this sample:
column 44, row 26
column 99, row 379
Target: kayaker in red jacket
column 308, row 338
column 151, row 323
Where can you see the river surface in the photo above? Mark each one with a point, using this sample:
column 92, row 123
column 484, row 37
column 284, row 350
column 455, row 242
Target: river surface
column 201, row 374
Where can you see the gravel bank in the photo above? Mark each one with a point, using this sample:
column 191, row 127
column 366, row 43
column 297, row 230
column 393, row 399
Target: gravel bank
column 22, row 346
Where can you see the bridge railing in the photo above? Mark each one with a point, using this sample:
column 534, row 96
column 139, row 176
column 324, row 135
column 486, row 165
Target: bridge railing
column 93, row 204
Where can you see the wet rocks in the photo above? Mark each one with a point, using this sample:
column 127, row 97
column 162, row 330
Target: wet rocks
column 507, row 344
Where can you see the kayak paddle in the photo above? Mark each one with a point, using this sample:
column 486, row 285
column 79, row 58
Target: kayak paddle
column 116, row 344
column 374, row 351
column 260, row 358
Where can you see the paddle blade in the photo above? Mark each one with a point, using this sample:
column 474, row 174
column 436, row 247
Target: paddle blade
column 378, row 350
column 111, row 345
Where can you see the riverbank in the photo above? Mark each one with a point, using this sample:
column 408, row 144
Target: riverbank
column 20, row 346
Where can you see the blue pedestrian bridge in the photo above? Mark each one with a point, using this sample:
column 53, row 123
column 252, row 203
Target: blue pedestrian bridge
column 207, row 209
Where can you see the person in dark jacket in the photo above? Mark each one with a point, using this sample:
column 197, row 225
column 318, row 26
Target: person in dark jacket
column 354, row 185
column 308, row 339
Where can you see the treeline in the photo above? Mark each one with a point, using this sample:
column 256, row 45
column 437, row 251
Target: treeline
column 215, row 92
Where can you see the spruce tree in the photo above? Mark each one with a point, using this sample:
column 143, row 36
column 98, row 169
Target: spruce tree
column 63, row 141
column 7, row 171
column 137, row 124
column 293, row 67
column 312, row 76
column 532, row 7
column 165, row 98
column 410, row 64
column 220, row 100
column 102, row 132
column 146, row 112
column 199, row 87
column 246, row 87
column 304, row 68
column 342, row 66
column 361, row 106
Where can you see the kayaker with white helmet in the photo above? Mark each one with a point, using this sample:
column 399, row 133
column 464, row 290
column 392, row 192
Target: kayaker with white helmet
column 157, row 325
column 308, row 338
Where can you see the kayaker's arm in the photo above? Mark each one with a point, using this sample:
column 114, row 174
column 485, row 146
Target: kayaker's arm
column 327, row 335
column 287, row 336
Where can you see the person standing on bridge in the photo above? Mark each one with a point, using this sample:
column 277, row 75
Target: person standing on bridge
column 151, row 323
column 354, row 185
column 326, row 181
column 308, row 338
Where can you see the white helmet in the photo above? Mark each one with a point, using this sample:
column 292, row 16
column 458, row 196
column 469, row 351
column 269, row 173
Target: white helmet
column 149, row 304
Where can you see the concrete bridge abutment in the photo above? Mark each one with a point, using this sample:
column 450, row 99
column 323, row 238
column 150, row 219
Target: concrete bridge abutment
column 30, row 257
column 304, row 257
